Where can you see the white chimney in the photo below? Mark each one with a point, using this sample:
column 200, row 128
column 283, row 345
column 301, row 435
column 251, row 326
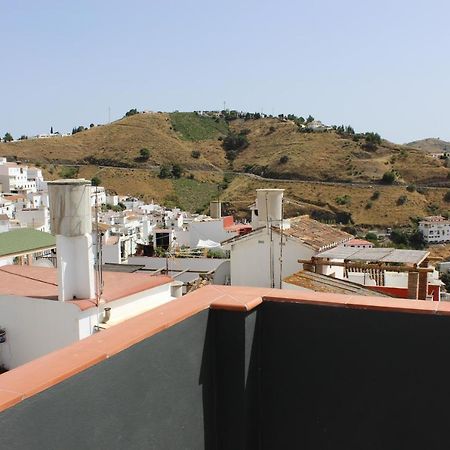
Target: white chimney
column 71, row 222
column 269, row 207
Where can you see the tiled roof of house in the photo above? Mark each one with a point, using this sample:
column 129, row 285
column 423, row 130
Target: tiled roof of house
column 358, row 242
column 41, row 282
column 323, row 283
column 25, row 240
column 315, row 234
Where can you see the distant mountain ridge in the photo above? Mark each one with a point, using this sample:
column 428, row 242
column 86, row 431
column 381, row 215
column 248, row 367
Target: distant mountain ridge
column 430, row 145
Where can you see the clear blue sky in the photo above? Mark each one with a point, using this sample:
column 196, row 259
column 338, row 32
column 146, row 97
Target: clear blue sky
column 377, row 65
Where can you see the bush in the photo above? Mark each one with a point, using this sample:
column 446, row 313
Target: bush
column 68, row 172
column 177, row 171
column 131, row 112
column 375, row 195
column 402, row 200
column 144, row 154
column 447, row 197
column 233, row 144
column 96, row 181
column 399, row 237
column 388, row 177
column 368, row 205
column 284, row 159
column 372, row 237
column 373, row 138
column 195, row 154
column 78, row 129
column 164, row 172
column 411, row 187
column 343, row 200
column 421, row 190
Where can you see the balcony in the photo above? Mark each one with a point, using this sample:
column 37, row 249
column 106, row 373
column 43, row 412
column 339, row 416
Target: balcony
column 243, row 368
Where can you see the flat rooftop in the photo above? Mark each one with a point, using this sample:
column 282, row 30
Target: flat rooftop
column 381, row 255
column 41, row 283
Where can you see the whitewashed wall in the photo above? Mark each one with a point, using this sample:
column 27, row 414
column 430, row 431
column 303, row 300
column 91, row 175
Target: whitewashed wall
column 35, row 327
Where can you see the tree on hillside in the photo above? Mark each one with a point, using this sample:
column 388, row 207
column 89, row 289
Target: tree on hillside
column 164, row 172
column 373, row 138
column 177, row 171
column 310, row 119
column 234, row 143
column 51, row 130
column 8, row 137
column 388, row 177
column 78, row 129
column 144, row 154
column 131, row 112
column 95, row 181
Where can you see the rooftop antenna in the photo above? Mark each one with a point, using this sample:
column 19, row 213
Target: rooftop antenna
column 99, row 255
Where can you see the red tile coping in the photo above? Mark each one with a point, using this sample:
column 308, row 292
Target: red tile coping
column 42, row 373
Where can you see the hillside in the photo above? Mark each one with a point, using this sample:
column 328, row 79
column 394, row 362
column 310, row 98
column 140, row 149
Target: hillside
column 172, row 138
column 274, row 149
column 430, row 145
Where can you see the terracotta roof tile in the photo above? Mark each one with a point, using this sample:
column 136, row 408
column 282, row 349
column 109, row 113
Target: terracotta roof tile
column 315, row 234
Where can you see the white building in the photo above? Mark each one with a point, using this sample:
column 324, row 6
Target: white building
column 14, row 178
column 358, row 243
column 44, row 309
column 271, row 251
column 435, row 229
column 37, row 218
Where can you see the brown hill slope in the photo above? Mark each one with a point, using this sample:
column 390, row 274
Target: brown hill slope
column 117, row 143
column 328, row 156
column 430, row 145
column 171, row 138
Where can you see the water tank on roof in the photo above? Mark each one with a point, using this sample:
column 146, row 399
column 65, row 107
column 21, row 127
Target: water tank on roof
column 70, row 207
column 215, row 209
column 270, row 206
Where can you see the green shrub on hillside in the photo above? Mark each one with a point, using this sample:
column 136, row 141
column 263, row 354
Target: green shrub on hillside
column 144, row 154
column 68, row 172
column 234, row 143
column 388, row 177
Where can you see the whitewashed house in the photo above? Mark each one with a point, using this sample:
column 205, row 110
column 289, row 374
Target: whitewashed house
column 43, row 309
column 435, row 229
column 271, row 251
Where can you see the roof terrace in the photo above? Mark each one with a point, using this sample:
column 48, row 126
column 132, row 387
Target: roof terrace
column 243, row 368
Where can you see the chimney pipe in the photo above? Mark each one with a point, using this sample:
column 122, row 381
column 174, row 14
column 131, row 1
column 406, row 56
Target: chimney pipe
column 269, row 203
column 71, row 222
column 215, row 209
